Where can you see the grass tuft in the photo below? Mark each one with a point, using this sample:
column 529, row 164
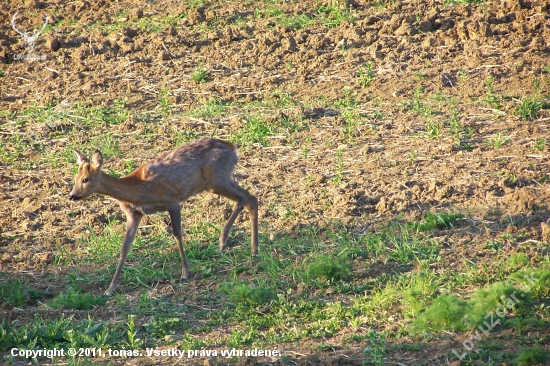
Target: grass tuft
column 328, row 268
column 200, row 75
column 448, row 312
column 248, row 295
column 529, row 108
column 75, row 300
column 437, row 221
column 445, row 313
column 533, row 356
column 12, row 293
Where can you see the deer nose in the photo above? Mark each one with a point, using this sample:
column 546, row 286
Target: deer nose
column 72, row 197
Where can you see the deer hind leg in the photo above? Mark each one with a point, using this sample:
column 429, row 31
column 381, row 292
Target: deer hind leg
column 243, row 199
column 175, row 218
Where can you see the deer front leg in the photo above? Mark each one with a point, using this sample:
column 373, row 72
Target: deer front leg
column 132, row 224
column 175, row 218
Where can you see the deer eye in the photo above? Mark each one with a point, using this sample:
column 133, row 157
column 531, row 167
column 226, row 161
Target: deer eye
column 85, row 180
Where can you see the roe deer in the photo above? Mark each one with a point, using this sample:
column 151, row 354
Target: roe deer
column 161, row 184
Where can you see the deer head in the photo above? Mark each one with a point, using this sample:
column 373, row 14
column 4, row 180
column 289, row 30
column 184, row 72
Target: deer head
column 88, row 176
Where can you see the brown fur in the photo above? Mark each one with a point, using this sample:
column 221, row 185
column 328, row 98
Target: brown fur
column 161, row 184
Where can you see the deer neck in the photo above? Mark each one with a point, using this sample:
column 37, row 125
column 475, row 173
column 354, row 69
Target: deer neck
column 123, row 189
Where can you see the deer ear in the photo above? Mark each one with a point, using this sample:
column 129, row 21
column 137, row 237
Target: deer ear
column 96, row 160
column 80, row 157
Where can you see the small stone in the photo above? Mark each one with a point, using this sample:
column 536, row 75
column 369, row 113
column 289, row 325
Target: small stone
column 214, row 35
column 129, row 32
column 371, row 20
column 426, row 26
column 172, row 338
column 377, row 54
column 53, row 43
column 164, row 56
column 136, row 14
column 196, row 16
column 405, row 30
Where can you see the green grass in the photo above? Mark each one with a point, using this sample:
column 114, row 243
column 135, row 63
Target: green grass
column 60, row 122
column 376, row 350
column 366, row 74
column 437, row 220
column 164, row 102
column 59, row 332
column 332, row 270
column 528, row 108
column 328, row 269
column 313, row 260
column 498, row 141
column 294, row 21
column 248, row 295
column 74, row 300
column 333, row 14
column 200, row 75
column 496, row 301
column 491, row 99
column 254, row 131
column 146, row 24
column 12, row 293
column 210, row 108
column 533, row 356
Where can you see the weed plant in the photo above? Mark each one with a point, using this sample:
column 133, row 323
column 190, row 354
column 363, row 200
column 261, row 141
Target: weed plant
column 437, row 220
column 200, row 74
column 248, row 295
column 528, row 108
column 74, row 300
column 533, row 356
column 328, row 268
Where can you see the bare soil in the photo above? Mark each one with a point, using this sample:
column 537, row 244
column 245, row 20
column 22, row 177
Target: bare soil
column 391, row 168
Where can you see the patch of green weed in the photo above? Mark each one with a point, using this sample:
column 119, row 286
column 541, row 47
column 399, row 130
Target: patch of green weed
column 437, row 220
column 253, row 131
column 75, row 300
column 517, row 260
column 498, row 141
column 295, row 21
column 200, row 75
column 12, row 293
column 528, row 108
column 376, row 349
column 533, row 356
column 211, row 108
column 366, row 74
column 328, row 268
column 334, row 13
column 248, row 295
column 445, row 313
column 449, row 312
